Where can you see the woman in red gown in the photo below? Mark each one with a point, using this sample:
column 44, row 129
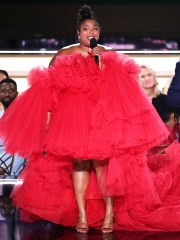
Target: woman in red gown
column 87, row 166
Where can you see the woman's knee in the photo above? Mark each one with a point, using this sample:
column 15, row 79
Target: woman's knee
column 81, row 165
column 100, row 163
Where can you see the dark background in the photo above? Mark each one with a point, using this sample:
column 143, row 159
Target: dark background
column 126, row 20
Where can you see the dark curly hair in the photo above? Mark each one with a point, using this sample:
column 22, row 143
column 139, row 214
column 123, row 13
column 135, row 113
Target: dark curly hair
column 84, row 13
column 8, row 80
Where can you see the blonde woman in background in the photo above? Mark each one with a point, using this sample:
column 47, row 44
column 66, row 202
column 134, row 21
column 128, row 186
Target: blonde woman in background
column 148, row 82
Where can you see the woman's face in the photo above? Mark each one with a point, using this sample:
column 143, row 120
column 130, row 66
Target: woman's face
column 89, row 29
column 147, row 79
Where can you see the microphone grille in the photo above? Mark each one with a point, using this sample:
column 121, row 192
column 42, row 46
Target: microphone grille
column 93, row 43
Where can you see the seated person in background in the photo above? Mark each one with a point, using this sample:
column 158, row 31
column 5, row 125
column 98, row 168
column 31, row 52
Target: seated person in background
column 159, row 162
column 10, row 165
column 3, row 74
column 149, row 84
column 8, row 92
column 167, row 114
column 173, row 94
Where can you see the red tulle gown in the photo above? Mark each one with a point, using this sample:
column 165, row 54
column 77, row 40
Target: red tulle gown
column 95, row 114
column 160, row 164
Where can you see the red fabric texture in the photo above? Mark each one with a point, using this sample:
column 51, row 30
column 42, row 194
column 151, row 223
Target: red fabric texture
column 96, row 112
column 94, row 115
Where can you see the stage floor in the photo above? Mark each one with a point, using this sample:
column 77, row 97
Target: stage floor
column 13, row 229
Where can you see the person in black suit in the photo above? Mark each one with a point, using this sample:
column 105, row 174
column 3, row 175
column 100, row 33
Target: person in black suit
column 173, row 94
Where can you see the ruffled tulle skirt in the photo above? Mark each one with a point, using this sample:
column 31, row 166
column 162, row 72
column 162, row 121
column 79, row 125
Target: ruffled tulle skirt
column 47, row 193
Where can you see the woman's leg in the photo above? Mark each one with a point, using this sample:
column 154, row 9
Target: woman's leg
column 109, row 215
column 80, row 178
column 108, row 224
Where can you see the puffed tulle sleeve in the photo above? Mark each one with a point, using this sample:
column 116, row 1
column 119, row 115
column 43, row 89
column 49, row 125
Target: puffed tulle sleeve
column 23, row 125
column 124, row 118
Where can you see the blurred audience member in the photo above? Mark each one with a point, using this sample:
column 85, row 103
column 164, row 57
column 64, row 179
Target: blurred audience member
column 173, row 94
column 8, row 92
column 10, row 166
column 3, row 74
column 167, row 114
column 159, row 162
column 149, row 84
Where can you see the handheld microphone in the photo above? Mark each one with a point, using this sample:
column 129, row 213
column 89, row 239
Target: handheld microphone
column 93, row 44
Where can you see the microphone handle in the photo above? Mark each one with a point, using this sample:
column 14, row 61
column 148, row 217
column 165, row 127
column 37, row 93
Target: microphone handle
column 96, row 58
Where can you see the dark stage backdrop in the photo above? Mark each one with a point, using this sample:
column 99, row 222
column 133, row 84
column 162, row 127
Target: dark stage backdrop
column 57, row 18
